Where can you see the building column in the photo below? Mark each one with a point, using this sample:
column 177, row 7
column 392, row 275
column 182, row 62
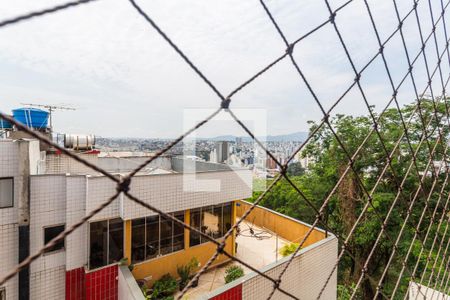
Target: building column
column 187, row 220
column 233, row 221
column 127, row 241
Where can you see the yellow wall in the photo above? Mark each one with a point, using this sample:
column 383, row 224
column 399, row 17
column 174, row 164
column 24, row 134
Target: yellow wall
column 285, row 227
column 168, row 263
column 157, row 267
column 127, row 250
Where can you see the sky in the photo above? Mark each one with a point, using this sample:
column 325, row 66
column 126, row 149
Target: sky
column 124, row 80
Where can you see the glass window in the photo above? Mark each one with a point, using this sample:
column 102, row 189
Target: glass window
column 50, row 233
column 155, row 235
column 166, row 235
column 152, row 244
column 178, row 232
column 226, row 222
column 98, row 244
column 115, row 240
column 216, row 224
column 2, row 294
column 138, row 240
column 106, row 242
column 214, row 221
column 6, row 192
column 195, row 223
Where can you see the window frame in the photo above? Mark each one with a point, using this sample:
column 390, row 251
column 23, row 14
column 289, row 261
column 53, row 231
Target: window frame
column 12, row 191
column 211, row 208
column 107, row 243
column 160, row 218
column 63, row 241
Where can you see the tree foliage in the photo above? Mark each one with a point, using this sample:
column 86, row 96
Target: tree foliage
column 372, row 173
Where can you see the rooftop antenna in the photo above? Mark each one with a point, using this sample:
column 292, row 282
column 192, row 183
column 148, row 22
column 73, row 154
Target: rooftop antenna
column 50, row 109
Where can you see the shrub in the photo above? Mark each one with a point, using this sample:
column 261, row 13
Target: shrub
column 164, row 287
column 233, row 273
column 185, row 271
column 288, row 249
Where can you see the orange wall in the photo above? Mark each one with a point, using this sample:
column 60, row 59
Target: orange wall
column 284, row 226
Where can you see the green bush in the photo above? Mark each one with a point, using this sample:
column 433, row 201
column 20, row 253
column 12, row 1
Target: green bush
column 288, row 249
column 164, row 287
column 185, row 271
column 233, row 273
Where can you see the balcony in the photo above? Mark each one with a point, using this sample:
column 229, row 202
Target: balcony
column 271, row 231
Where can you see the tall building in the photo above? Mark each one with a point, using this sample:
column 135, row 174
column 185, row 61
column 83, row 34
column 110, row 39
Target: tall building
column 222, row 151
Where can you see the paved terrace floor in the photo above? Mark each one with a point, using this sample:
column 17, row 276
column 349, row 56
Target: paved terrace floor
column 257, row 252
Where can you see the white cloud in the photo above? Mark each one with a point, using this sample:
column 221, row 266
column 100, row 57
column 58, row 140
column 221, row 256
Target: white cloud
column 125, row 79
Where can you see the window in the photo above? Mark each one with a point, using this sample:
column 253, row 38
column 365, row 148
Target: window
column 155, row 235
column 115, row 245
column 178, row 233
column 214, row 221
column 138, row 240
column 50, row 233
column 106, row 242
column 226, row 221
column 194, row 238
column 2, row 294
column 152, row 244
column 6, row 192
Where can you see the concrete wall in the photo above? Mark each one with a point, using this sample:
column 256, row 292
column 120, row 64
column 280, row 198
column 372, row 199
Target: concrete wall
column 99, row 190
column 47, row 208
column 128, row 288
column 17, row 159
column 127, row 164
column 62, row 164
column 422, row 292
column 285, row 226
column 9, row 257
column 173, row 192
column 304, row 277
column 76, row 242
column 181, row 165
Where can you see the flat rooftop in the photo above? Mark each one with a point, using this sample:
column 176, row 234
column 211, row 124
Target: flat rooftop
column 258, row 250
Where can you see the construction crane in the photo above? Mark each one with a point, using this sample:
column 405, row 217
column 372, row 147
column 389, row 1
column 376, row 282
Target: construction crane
column 50, row 109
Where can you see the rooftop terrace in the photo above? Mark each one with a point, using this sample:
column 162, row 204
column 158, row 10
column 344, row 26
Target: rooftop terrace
column 258, row 250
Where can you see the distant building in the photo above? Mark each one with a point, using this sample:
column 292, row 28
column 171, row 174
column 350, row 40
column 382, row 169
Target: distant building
column 238, row 142
column 222, row 151
column 270, row 163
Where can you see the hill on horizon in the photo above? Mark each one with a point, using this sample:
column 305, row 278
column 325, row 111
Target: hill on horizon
column 299, row 136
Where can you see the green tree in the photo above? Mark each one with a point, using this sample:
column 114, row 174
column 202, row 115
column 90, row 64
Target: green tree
column 346, row 203
column 295, row 169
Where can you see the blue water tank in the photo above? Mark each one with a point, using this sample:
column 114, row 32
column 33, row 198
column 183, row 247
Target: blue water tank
column 5, row 124
column 31, row 117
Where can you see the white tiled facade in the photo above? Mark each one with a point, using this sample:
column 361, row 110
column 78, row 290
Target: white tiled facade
column 305, row 276
column 76, row 243
column 9, row 233
column 171, row 192
column 13, row 164
column 47, row 208
column 60, row 191
column 9, row 257
column 68, row 197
